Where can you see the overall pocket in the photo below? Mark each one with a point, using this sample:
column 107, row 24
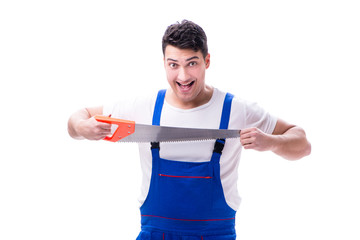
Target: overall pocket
column 186, row 189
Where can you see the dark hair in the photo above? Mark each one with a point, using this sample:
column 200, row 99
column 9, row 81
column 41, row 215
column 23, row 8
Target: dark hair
column 186, row 35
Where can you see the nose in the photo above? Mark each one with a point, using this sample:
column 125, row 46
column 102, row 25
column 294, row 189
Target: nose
column 183, row 75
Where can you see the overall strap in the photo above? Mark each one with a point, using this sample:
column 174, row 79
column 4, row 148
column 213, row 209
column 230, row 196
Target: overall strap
column 158, row 107
column 224, row 122
column 157, row 114
column 225, row 115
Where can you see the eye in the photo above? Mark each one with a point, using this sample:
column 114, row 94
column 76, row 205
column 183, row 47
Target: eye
column 172, row 65
column 192, row 64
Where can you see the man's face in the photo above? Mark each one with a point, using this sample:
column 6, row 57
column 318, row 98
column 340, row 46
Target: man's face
column 185, row 70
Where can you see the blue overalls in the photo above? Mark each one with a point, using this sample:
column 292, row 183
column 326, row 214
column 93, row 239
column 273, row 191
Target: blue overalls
column 186, row 199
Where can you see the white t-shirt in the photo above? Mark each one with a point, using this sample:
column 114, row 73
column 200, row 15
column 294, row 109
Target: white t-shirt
column 243, row 115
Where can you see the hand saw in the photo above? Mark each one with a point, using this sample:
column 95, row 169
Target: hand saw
column 129, row 131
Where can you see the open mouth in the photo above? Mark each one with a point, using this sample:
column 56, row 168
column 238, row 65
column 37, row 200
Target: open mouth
column 185, row 86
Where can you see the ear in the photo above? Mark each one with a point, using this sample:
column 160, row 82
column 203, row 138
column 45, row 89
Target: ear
column 207, row 61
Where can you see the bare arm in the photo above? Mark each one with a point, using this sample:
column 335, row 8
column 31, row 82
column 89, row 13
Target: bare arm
column 287, row 141
column 82, row 125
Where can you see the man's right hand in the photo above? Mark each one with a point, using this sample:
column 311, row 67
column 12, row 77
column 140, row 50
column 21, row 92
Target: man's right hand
column 93, row 130
column 82, row 125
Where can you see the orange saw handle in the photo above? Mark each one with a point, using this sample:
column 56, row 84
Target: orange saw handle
column 124, row 129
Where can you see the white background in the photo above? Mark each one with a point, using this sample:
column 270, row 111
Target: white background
column 298, row 59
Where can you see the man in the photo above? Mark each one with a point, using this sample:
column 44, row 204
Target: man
column 189, row 188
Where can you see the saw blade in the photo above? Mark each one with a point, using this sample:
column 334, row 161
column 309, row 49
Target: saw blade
column 151, row 133
column 128, row 131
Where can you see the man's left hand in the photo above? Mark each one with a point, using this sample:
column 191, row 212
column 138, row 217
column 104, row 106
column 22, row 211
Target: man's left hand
column 254, row 138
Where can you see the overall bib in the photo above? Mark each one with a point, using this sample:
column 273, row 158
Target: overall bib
column 186, row 199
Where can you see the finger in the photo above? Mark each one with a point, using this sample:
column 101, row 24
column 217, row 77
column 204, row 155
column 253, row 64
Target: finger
column 247, row 141
column 102, row 136
column 246, row 135
column 106, row 132
column 249, row 146
column 247, row 130
column 105, row 126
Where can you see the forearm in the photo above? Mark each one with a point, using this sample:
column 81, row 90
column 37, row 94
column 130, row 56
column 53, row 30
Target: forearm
column 83, row 125
column 292, row 144
column 74, row 121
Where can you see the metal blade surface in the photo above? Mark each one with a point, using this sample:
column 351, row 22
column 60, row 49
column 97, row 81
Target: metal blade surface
column 151, row 133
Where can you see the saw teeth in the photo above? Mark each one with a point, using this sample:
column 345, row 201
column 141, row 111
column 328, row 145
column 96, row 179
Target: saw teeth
column 172, row 141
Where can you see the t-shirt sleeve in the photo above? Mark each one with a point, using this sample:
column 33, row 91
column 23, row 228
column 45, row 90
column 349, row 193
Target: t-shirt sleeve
column 108, row 109
column 256, row 116
column 121, row 109
column 138, row 109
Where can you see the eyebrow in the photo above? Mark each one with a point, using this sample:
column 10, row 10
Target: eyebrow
column 194, row 57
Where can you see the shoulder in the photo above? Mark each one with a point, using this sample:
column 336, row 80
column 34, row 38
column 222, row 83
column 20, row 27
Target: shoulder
column 245, row 113
column 137, row 107
column 237, row 101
